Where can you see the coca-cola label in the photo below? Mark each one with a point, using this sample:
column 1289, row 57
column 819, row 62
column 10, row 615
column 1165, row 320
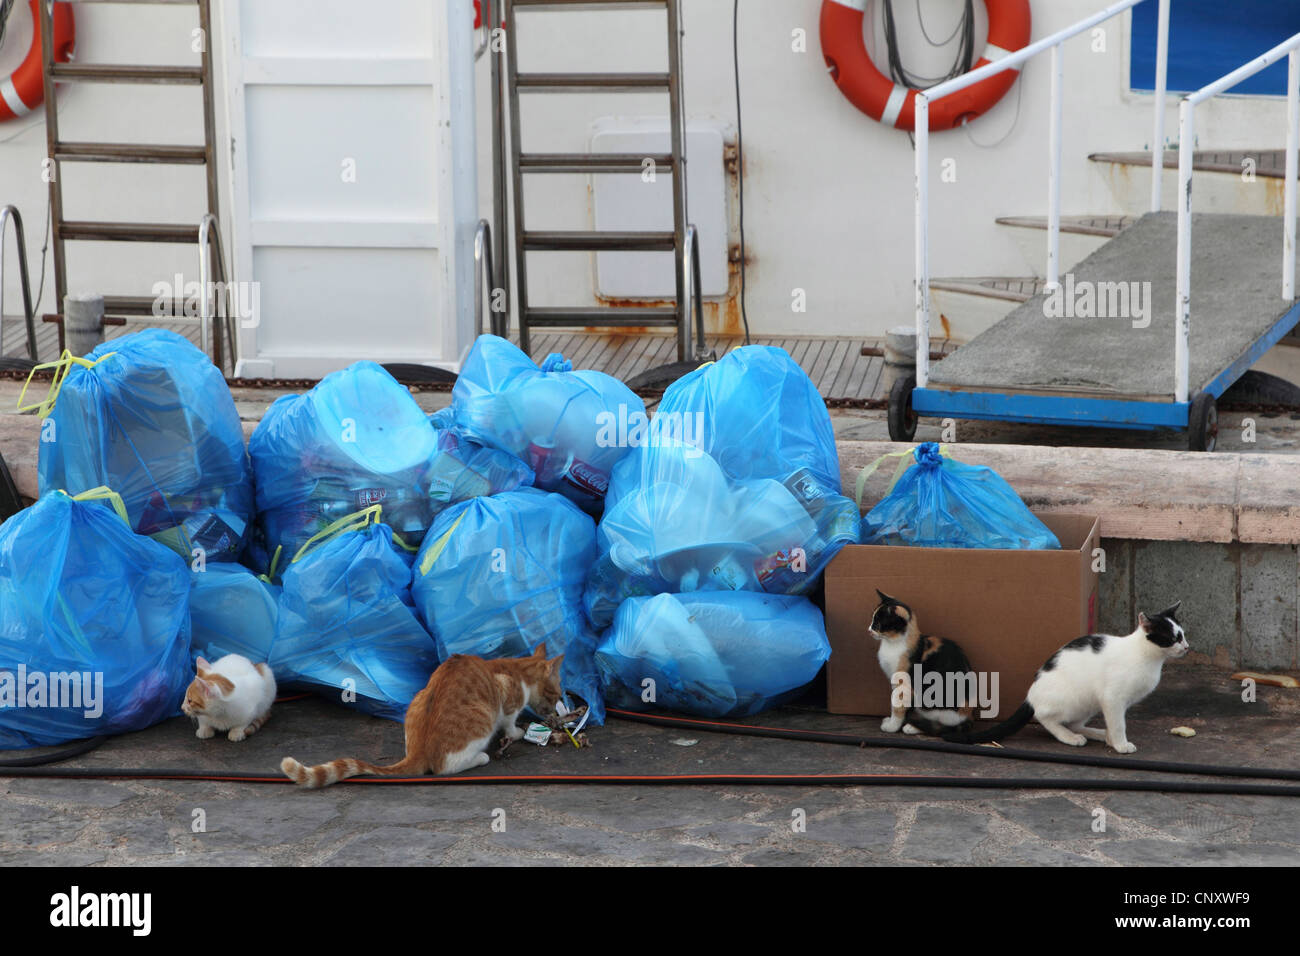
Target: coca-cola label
column 588, row 478
column 370, row 496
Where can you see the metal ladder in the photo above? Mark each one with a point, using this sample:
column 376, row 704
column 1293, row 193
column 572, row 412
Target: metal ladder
column 117, row 307
column 528, row 240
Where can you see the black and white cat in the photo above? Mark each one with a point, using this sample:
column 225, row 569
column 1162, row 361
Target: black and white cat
column 1096, row 674
column 921, row 659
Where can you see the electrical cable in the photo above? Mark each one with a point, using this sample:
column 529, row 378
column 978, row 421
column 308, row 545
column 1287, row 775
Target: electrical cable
column 75, row 749
column 740, row 158
column 962, row 62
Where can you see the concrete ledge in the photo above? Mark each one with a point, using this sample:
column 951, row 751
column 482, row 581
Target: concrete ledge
column 1140, row 495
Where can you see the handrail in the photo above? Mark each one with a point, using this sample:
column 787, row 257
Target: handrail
column 483, row 272
column 210, row 230
column 1001, row 65
column 1186, row 157
column 694, row 288
column 29, row 312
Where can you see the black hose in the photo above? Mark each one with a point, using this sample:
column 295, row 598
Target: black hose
column 74, row 749
column 969, row 750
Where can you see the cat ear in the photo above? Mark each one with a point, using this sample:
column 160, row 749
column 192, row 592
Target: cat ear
column 1144, row 622
column 884, row 598
column 1170, row 611
column 201, row 665
column 555, row 664
column 541, row 650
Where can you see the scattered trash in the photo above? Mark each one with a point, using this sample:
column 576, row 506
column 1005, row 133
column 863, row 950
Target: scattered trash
column 538, row 734
column 942, row 503
column 1182, row 731
column 564, row 425
column 1270, row 680
column 347, row 627
column 735, row 487
column 94, row 623
column 685, row 741
column 713, row 654
column 498, row 576
column 149, row 416
column 355, row 440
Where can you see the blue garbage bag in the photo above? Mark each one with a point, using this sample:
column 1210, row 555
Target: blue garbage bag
column 712, row 653
column 942, row 503
column 347, row 627
column 462, row 469
column 149, row 416
column 498, row 576
column 232, row 611
column 570, row 427
column 734, row 486
column 355, row 440
column 94, row 624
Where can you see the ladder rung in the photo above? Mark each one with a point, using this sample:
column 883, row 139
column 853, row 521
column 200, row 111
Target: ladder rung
column 588, row 82
column 114, row 73
column 601, row 317
column 129, row 153
column 605, row 240
column 55, row 318
column 128, row 231
column 591, row 162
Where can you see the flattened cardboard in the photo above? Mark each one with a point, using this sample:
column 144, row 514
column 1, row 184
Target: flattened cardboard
column 1009, row 610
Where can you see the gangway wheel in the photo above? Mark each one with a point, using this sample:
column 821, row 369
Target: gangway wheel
column 1202, row 423
column 902, row 420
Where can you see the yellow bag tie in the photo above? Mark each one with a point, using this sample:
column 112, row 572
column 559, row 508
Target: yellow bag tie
column 104, row 493
column 270, row 572
column 433, row 553
column 61, row 369
column 357, row 521
column 906, row 460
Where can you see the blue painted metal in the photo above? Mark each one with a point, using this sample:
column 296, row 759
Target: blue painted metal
column 1050, row 409
column 1223, row 381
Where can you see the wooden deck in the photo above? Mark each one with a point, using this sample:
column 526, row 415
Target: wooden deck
column 836, row 365
column 14, row 341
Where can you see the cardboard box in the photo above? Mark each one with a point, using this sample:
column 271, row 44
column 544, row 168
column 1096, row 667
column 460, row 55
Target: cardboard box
column 1009, row 610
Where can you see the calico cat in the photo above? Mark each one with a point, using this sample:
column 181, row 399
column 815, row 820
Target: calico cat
column 902, row 649
column 234, row 695
column 453, row 720
column 1097, row 673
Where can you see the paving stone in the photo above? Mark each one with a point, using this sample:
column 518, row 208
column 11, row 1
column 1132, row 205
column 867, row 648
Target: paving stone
column 393, row 846
column 23, row 825
column 139, row 836
column 858, row 829
column 1181, row 818
column 776, row 856
column 735, row 834
column 1038, row 854
column 213, row 858
column 1052, row 818
column 637, row 813
column 399, row 805
column 945, row 835
column 582, row 842
column 54, row 857
column 266, row 822
column 1268, row 607
column 1191, row 853
column 81, row 793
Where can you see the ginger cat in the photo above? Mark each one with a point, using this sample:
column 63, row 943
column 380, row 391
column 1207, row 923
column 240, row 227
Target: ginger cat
column 451, row 723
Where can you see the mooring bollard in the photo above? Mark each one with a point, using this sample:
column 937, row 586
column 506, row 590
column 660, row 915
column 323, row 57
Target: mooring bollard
column 83, row 322
column 900, row 354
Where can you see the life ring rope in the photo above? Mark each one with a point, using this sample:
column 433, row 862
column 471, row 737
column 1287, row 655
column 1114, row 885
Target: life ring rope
column 875, row 94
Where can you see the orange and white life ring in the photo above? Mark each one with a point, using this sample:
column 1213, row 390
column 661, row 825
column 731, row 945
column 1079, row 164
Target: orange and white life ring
column 880, row 98
column 24, row 89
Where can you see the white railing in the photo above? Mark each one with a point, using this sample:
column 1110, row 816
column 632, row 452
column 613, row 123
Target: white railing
column 1012, row 61
column 1186, row 155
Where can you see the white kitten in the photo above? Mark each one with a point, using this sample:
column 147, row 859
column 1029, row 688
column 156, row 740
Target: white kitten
column 231, row 695
column 1096, row 674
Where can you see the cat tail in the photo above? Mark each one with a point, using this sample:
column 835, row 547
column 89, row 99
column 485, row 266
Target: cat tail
column 1023, row 715
column 322, row 775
